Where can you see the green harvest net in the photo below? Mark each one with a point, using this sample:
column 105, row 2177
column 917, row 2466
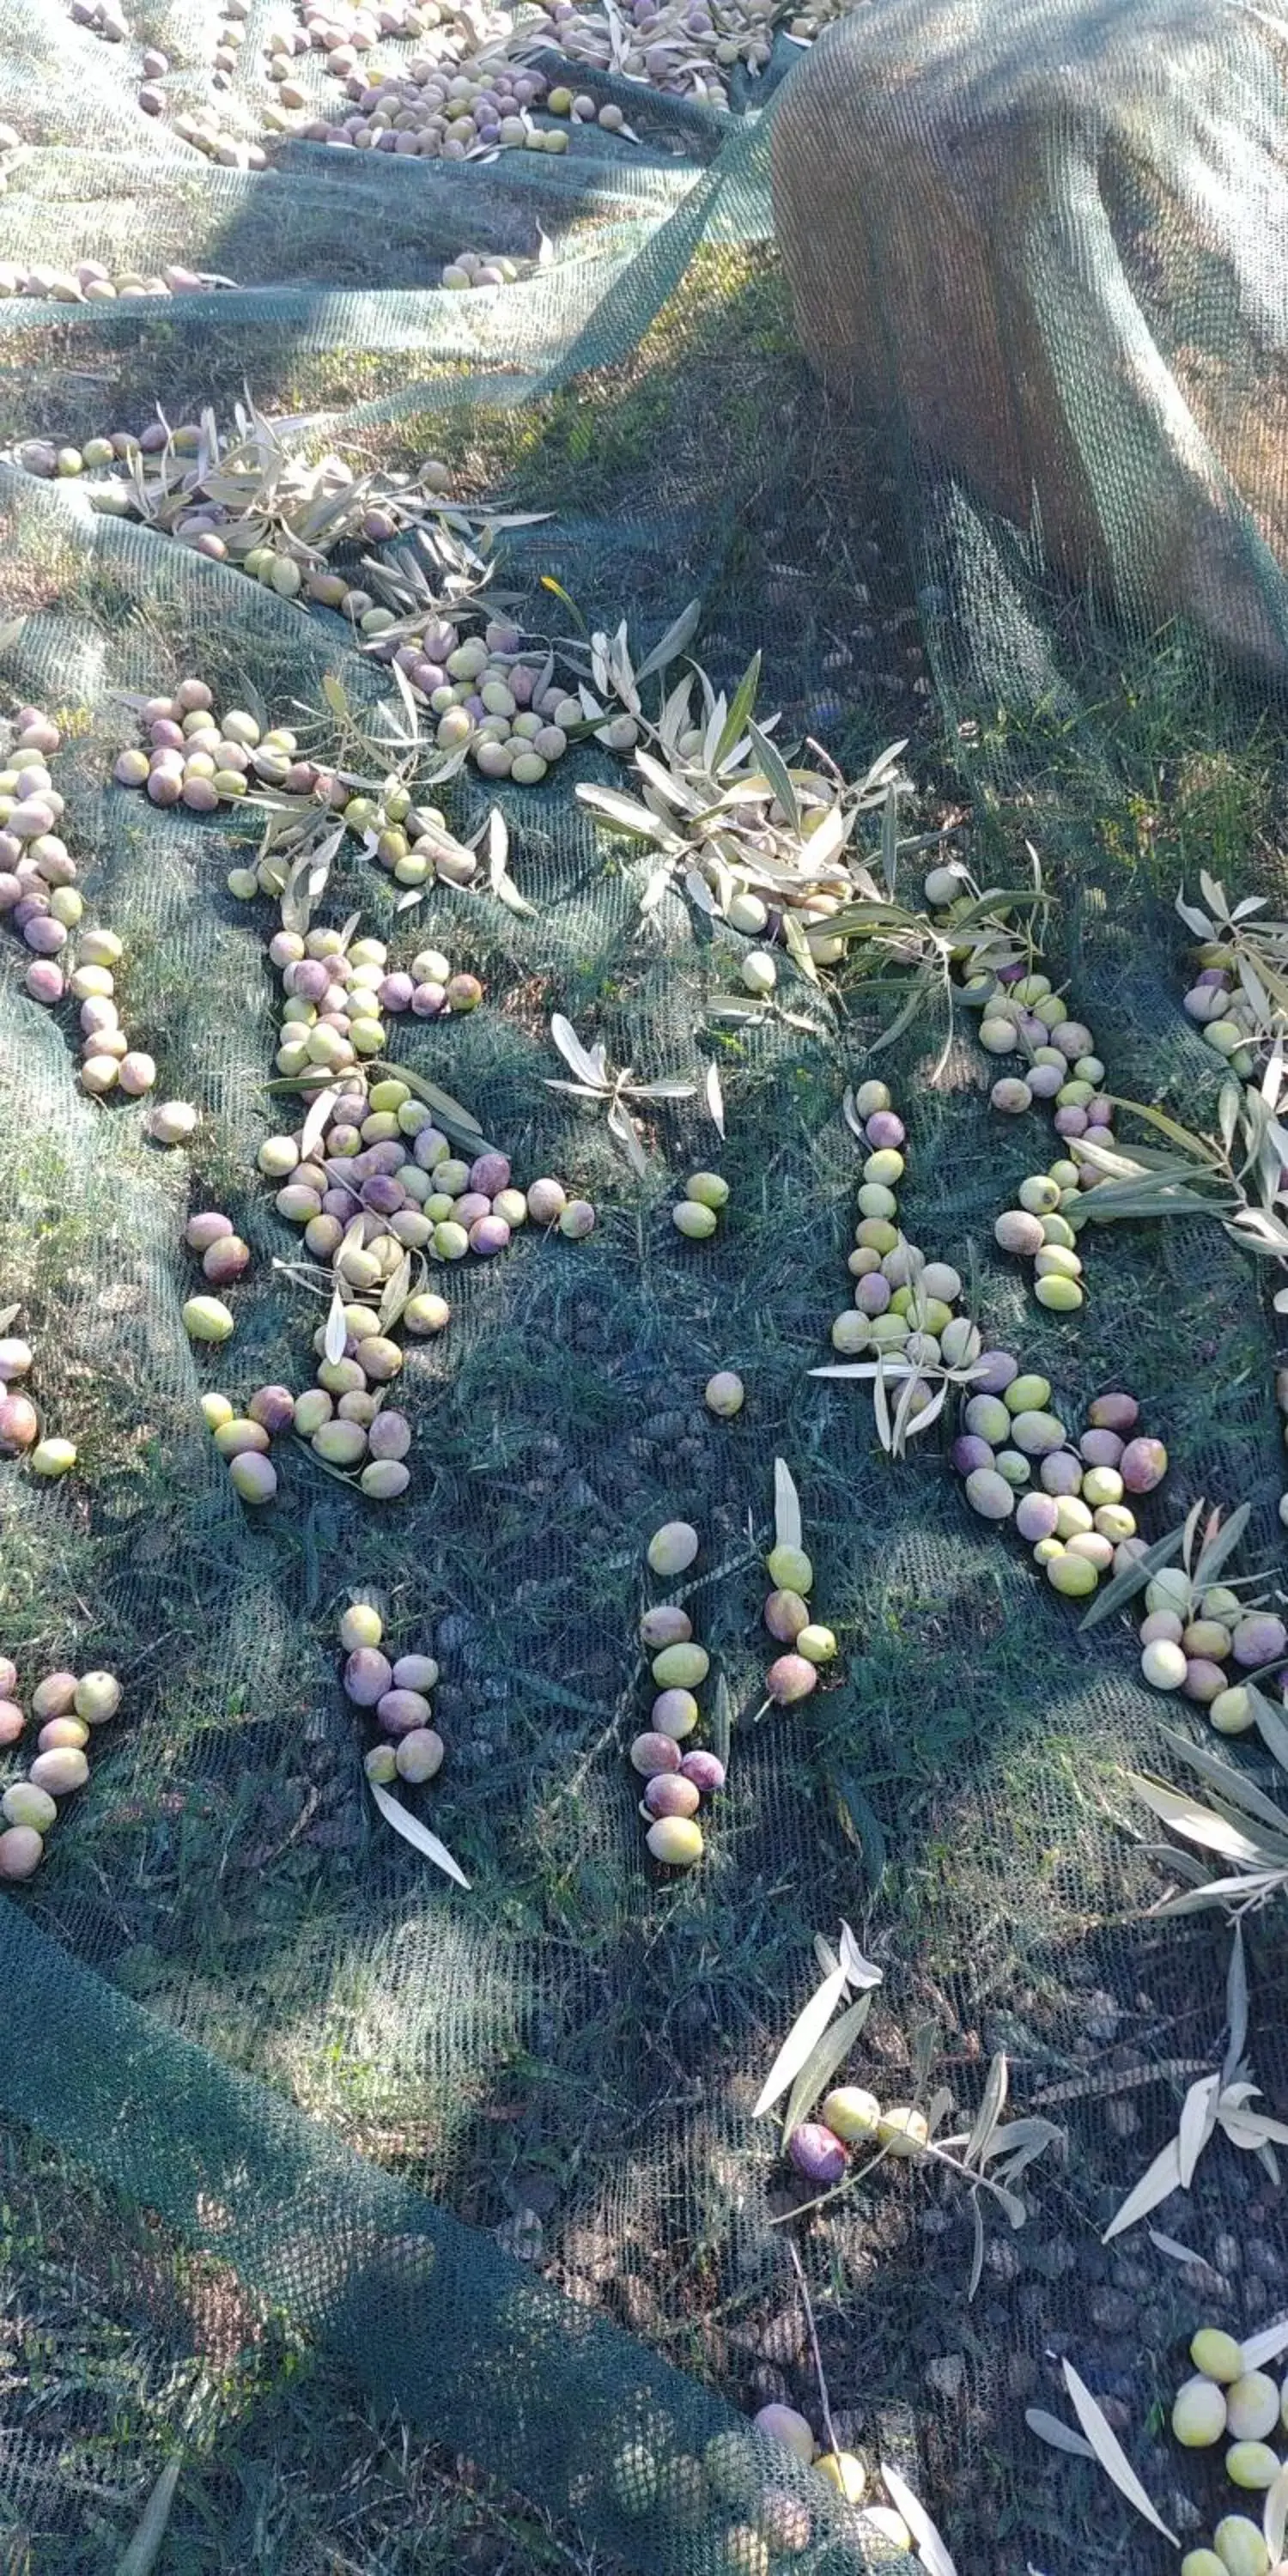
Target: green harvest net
column 312, row 2161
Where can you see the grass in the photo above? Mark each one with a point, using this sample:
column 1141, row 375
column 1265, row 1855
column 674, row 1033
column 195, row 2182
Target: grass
column 577, row 2043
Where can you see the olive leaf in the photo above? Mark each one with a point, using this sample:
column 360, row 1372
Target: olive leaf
column 829, row 2053
column 1061, row 2437
column 787, row 1508
column 499, row 877
column 721, row 1720
column 802, row 2038
column 145, row 2547
column 396, row 1291
column 931, row 2547
column 1266, row 2346
column 418, row 1835
column 315, row 1124
column 1110, row 2453
column 990, row 2111
column 1133, row 1578
column 336, row 1333
column 677, row 635
column 1274, row 2516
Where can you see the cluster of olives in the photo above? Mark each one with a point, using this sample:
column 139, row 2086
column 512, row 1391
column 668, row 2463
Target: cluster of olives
column 1040, row 1231
column 205, row 129
column 39, row 893
column 337, row 997
column 1189, row 1641
column 472, row 268
column 242, row 1439
column 1076, row 1516
column 460, row 98
column 397, row 1693
column 65, row 1706
column 231, row 36
column 1227, row 2402
column 821, row 2149
column 487, row 693
column 203, row 762
column 1222, row 1012
column 379, row 1189
column 197, row 759
column 903, row 1304
column 91, row 282
column 20, row 1435
column 766, row 2523
column 675, row 1780
column 1228, row 1023
column 1022, row 1015
column 685, row 48
column 696, row 1213
column 791, row 1623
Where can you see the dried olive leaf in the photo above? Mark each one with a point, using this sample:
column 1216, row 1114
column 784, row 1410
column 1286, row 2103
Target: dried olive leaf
column 337, row 1330
column 418, row 1835
column 805, row 2032
column 1061, row 2437
column 787, row 1509
column 1110, row 2453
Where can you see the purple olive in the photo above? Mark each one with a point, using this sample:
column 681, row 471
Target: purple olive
column 489, row 1234
column 669, row 1794
column 790, row 1678
column 19, row 1424
column 1113, row 1413
column 873, row 1294
column 367, row 1676
column 1101, row 1448
column 1143, row 1465
column 884, row 1128
column 429, row 1001
column 395, row 992
column 819, row 2157
column 1036, row 1516
column 969, row 1452
column 273, row 1407
column 490, row 1174
column 705, row 1770
column 401, row 1710
column 1061, row 1472
column 389, row 1436
column 44, row 981
column 652, row 1753
column 665, row 1625
column 225, row 1260
column 205, row 1227
column 993, row 1371
column 1258, row 1639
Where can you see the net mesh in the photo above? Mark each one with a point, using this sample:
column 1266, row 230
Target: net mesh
column 289, row 2119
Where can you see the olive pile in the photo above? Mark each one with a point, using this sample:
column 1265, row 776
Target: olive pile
column 677, row 1775
column 397, row 1695
column 66, row 1707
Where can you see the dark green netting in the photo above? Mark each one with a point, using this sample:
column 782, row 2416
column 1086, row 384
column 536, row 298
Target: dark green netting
column 286, row 2112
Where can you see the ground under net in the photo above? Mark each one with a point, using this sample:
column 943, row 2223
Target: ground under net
column 319, row 2173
